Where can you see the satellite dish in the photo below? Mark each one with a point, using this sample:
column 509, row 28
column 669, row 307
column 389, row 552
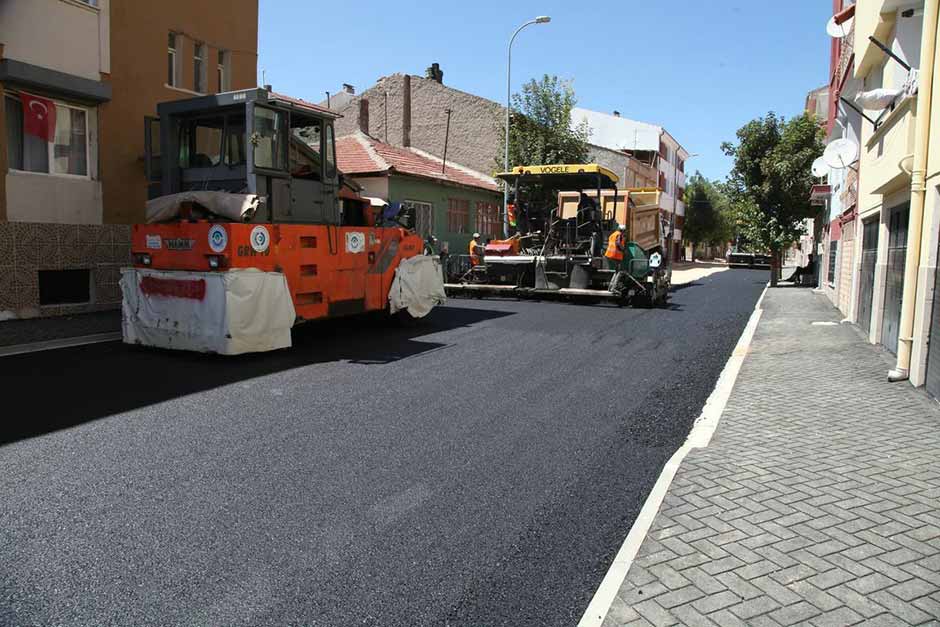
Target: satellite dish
column 839, row 30
column 820, row 169
column 840, row 154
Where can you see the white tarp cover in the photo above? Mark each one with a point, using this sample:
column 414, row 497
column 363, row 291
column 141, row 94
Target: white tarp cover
column 237, row 207
column 242, row 311
column 418, row 286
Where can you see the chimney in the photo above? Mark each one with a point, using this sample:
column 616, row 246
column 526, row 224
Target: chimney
column 364, row 115
column 349, row 89
column 406, row 111
column 616, row 114
column 435, row 73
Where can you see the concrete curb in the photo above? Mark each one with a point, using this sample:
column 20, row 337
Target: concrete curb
column 699, row 437
column 68, row 342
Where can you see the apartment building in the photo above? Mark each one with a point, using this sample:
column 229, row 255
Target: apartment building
column 885, row 70
column 648, row 144
column 164, row 51
column 77, row 78
column 55, row 66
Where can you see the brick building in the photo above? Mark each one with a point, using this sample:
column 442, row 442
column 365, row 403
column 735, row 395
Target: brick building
column 412, row 110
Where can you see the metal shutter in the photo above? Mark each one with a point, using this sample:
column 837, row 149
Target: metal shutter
column 894, row 276
column 866, row 278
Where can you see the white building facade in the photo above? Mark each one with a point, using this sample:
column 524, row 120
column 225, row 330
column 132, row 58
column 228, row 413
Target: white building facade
column 649, row 143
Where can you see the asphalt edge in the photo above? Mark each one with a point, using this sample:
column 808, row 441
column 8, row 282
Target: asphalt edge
column 68, row 342
column 699, row 437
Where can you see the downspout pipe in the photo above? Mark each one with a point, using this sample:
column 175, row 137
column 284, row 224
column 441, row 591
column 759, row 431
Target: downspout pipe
column 915, row 228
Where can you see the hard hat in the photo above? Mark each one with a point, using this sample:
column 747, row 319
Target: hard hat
column 621, row 227
column 476, row 235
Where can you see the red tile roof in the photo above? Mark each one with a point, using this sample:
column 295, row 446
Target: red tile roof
column 303, row 103
column 362, row 154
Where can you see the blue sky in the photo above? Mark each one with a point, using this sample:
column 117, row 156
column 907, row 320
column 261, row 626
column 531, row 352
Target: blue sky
column 701, row 68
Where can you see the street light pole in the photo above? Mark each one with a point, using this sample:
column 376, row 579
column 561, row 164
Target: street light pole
column 542, row 19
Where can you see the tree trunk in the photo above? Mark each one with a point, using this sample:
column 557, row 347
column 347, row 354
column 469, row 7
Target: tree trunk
column 774, row 267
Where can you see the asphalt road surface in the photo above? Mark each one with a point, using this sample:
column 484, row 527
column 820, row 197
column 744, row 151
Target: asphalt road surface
column 481, row 469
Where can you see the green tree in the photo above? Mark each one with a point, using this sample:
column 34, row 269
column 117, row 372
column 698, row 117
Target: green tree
column 540, row 126
column 702, row 218
column 708, row 218
column 770, row 182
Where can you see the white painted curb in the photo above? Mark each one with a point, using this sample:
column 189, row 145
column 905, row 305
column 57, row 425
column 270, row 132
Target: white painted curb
column 68, row 342
column 700, row 436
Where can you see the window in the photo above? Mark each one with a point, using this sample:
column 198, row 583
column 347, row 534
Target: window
column 70, row 148
column 67, row 153
column 269, row 139
column 424, row 216
column 201, row 143
column 833, row 250
column 199, row 68
column 305, row 160
column 171, row 73
column 222, row 71
column 488, row 222
column 235, row 141
column 458, row 215
column 330, row 154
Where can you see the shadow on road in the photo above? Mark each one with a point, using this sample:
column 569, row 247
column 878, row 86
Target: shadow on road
column 68, row 387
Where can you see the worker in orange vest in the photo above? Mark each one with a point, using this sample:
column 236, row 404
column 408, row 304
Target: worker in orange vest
column 616, row 245
column 475, row 247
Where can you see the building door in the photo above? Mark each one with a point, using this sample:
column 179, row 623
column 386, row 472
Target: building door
column 894, row 276
column 866, row 278
column 933, row 346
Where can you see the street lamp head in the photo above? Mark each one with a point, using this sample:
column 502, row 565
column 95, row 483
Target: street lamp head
column 543, row 19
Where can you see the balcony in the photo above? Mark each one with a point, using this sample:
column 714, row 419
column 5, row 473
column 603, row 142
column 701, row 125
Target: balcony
column 888, row 145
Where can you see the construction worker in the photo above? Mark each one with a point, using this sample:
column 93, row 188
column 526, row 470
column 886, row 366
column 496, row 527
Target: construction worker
column 475, row 248
column 616, row 245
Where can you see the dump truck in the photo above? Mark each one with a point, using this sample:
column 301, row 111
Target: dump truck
column 251, row 230
column 562, row 217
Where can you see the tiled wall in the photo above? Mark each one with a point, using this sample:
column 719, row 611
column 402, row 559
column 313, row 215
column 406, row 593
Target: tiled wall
column 26, row 248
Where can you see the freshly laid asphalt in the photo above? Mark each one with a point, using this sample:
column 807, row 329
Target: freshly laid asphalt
column 482, row 468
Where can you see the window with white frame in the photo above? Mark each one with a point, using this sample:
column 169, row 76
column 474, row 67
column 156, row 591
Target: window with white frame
column 222, row 71
column 424, row 216
column 171, row 60
column 199, row 68
column 66, row 152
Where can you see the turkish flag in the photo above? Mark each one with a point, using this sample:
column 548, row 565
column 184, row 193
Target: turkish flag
column 38, row 116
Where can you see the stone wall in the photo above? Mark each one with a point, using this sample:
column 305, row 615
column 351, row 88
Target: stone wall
column 28, row 247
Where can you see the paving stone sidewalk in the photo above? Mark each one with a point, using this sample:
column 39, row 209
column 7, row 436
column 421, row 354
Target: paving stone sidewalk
column 817, row 501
